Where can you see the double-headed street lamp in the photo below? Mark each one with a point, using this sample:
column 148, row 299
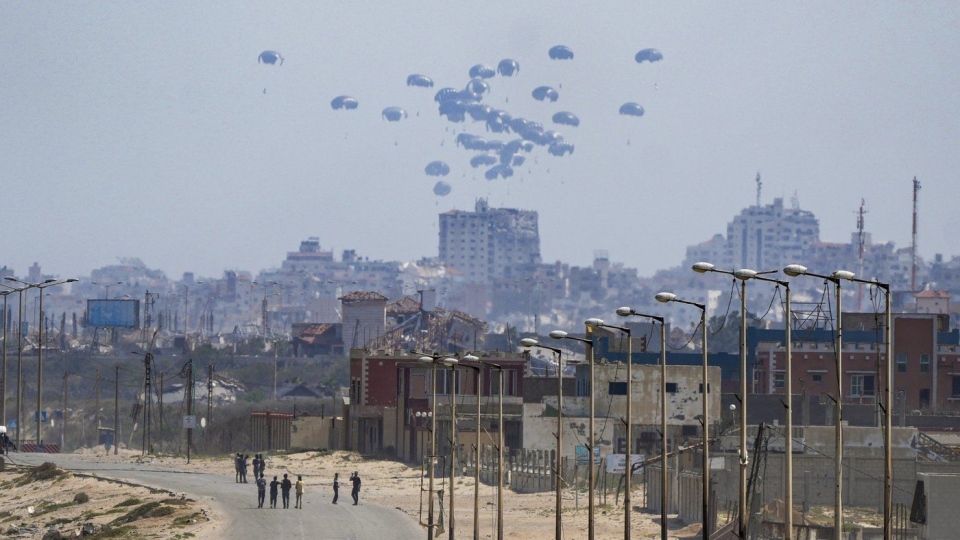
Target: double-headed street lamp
column 629, row 312
column 3, row 380
column 529, row 342
column 41, row 286
column 476, row 472
column 434, row 360
column 106, row 293
column 627, row 508
column 886, row 406
column 19, row 291
column 795, row 270
column 591, row 479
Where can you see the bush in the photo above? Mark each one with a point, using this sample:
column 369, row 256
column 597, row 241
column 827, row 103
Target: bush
column 81, row 498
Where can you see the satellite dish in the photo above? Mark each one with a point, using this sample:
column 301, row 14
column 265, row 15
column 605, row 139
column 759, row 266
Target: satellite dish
column 203, row 422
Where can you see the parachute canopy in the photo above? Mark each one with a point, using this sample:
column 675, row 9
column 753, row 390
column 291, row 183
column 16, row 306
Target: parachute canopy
column 648, row 55
column 561, row 52
column 482, row 71
column 542, row 93
column 344, row 102
column 437, row 168
column 566, row 118
column 419, row 80
column 631, row 109
column 503, row 171
column 270, row 57
column 394, row 114
column 507, row 67
column 441, row 189
column 482, row 159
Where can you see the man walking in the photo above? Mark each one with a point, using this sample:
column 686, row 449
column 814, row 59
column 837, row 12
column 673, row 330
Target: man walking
column 285, row 486
column 261, row 490
column 273, row 492
column 336, row 487
column 299, row 490
column 356, row 487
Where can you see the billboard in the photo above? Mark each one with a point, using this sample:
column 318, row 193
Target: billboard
column 582, row 455
column 113, row 313
column 617, row 463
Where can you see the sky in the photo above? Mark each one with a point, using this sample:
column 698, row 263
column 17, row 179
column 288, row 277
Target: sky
column 151, row 130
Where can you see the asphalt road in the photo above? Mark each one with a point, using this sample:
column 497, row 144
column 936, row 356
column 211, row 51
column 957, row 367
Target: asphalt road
column 236, row 504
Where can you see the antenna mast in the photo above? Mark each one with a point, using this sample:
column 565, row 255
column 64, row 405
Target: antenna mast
column 913, row 248
column 861, row 247
column 759, row 187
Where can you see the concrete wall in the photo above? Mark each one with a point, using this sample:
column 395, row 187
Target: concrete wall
column 942, row 493
column 363, row 321
column 316, row 433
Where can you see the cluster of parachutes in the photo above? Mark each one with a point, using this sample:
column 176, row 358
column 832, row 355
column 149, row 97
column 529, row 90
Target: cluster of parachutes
column 458, row 105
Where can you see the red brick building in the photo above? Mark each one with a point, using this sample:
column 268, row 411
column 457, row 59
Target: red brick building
column 927, row 356
column 389, row 388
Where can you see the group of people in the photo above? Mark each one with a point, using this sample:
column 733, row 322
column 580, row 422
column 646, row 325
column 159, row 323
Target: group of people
column 284, row 486
column 242, row 463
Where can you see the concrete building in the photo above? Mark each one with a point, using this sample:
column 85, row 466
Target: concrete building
column 364, row 317
column 489, row 243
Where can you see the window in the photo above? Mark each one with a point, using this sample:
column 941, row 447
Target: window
column 779, row 380
column 861, row 385
column 924, row 363
column 817, row 377
column 583, row 387
column 700, row 388
column 956, row 387
column 672, row 388
column 443, row 382
column 901, row 362
column 618, row 388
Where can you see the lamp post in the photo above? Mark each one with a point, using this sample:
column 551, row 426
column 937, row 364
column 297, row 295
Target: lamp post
column 528, row 342
column 627, row 488
column 500, row 443
column 452, row 364
column 795, row 270
column 19, row 292
column 106, row 293
column 3, row 381
column 886, row 405
column 476, row 464
column 434, row 360
column 628, row 312
column 588, row 346
column 41, row 286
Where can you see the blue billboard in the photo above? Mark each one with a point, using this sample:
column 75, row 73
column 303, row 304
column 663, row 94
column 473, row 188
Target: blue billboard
column 113, row 313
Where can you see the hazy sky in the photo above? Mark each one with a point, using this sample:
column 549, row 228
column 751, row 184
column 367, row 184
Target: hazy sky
column 134, row 129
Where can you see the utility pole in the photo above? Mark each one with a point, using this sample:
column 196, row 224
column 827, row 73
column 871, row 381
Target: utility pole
column 187, row 373
column 209, row 403
column 63, row 409
column 96, row 391
column 147, row 402
column 116, row 412
column 160, row 407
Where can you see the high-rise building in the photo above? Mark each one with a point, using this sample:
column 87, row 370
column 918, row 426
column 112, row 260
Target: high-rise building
column 762, row 238
column 489, row 243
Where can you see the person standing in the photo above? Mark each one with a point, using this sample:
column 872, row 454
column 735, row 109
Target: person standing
column 273, row 492
column 261, row 490
column 356, row 487
column 243, row 468
column 298, row 488
column 336, row 487
column 285, row 486
column 257, row 466
column 237, row 463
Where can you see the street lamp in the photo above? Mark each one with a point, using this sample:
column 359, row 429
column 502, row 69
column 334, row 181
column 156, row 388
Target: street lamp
column 106, row 293
column 627, row 312
column 41, row 286
column 3, row 381
column 434, row 360
column 452, row 364
column 529, row 342
column 591, row 479
column 476, row 465
column 795, row 270
column 627, row 509
column 885, row 405
column 19, row 292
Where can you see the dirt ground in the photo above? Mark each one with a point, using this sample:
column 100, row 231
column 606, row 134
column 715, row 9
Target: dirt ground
column 49, row 503
column 388, row 483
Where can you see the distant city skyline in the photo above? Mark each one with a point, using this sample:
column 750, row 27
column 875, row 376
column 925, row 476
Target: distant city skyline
column 153, row 131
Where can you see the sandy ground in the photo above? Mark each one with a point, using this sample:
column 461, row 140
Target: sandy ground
column 31, row 508
column 388, row 483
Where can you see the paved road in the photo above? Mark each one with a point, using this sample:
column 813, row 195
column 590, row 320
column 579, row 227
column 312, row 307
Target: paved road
column 237, row 504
